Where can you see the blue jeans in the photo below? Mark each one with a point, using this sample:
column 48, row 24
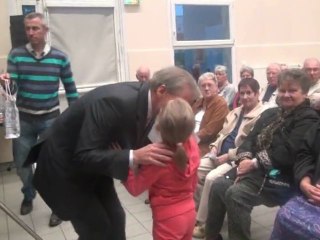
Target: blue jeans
column 29, row 133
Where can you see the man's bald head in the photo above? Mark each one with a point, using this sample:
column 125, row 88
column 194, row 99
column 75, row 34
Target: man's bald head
column 143, row 74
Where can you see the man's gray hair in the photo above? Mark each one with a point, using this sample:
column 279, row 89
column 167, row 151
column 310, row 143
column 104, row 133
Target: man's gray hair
column 33, row 15
column 274, row 65
column 174, row 79
column 247, row 69
column 221, row 68
column 207, row 75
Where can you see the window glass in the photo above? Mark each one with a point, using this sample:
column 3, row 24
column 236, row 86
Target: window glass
column 198, row 61
column 202, row 22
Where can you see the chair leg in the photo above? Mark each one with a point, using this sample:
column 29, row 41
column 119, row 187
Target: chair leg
column 19, row 221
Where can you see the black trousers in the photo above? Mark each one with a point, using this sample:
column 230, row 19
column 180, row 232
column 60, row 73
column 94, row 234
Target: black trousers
column 103, row 218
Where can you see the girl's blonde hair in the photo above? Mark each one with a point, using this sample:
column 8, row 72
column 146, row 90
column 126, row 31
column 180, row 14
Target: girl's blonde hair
column 176, row 123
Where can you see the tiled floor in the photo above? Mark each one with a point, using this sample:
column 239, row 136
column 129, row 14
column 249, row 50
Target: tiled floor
column 138, row 215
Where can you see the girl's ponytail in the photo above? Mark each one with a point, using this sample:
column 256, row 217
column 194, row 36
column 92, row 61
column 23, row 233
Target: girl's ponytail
column 176, row 124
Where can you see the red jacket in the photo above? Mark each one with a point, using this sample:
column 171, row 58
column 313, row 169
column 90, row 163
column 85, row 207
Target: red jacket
column 170, row 189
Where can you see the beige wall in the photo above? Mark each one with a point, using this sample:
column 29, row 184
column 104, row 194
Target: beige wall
column 264, row 31
column 5, row 45
column 147, row 35
column 285, row 31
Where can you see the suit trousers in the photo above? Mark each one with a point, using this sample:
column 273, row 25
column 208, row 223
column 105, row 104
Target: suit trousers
column 103, row 218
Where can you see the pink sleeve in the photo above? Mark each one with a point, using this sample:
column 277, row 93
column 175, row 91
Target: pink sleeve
column 193, row 153
column 147, row 175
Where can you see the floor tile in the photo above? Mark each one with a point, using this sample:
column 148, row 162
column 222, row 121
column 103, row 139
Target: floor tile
column 266, row 220
column 3, row 223
column 57, row 234
column 134, row 230
column 138, row 215
column 143, row 216
column 148, row 225
column 4, row 236
column 145, row 236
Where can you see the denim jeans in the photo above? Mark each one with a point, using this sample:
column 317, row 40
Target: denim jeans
column 21, row 146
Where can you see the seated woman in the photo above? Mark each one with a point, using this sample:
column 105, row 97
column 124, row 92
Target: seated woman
column 299, row 218
column 265, row 160
column 237, row 126
column 171, row 188
column 210, row 111
column 245, row 72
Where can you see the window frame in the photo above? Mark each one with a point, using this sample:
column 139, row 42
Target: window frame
column 204, row 44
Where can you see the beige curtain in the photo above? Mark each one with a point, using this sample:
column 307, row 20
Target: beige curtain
column 87, row 35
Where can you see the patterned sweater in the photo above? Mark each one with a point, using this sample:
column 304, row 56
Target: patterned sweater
column 37, row 82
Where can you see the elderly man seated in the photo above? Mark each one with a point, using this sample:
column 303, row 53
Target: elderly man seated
column 143, row 74
column 312, row 67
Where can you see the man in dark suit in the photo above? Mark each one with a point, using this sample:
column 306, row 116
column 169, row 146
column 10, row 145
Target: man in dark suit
column 76, row 165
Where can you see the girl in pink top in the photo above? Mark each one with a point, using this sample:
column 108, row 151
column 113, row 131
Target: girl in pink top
column 171, row 188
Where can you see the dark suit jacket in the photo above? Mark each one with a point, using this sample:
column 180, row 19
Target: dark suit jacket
column 75, row 155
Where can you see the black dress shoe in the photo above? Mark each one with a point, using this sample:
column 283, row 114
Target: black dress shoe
column 54, row 220
column 26, row 207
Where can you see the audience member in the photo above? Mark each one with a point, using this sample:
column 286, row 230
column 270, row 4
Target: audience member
column 220, row 160
column 226, row 89
column 245, row 72
column 196, row 71
column 76, row 163
column 284, row 66
column 210, row 111
column 269, row 93
column 312, row 67
column 265, row 160
column 171, row 188
column 36, row 69
column 299, row 217
column 143, row 74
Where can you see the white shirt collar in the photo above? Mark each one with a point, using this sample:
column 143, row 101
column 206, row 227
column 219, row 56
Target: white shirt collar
column 45, row 50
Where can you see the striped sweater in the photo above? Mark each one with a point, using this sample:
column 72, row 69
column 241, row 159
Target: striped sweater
column 37, row 82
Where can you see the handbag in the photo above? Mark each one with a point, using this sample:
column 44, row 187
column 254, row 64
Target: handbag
column 11, row 115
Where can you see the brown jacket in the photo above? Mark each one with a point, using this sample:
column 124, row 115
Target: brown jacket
column 212, row 121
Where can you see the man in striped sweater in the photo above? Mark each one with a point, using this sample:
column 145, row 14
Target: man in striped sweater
column 34, row 73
